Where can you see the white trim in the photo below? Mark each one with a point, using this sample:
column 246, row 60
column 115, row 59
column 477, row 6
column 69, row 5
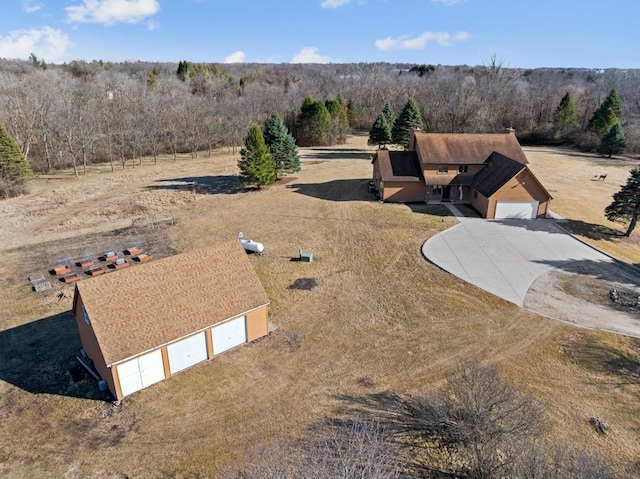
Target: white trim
column 115, row 363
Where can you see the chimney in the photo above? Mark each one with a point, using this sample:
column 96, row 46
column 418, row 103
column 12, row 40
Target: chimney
column 511, row 130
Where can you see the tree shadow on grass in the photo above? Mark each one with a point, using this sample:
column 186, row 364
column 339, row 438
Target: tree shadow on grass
column 620, row 363
column 591, row 231
column 336, row 154
column 39, row 357
column 336, row 190
column 212, row 185
column 402, row 418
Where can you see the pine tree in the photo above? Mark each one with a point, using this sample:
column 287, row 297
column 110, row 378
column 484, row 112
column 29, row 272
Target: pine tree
column 565, row 115
column 313, row 123
column 626, row 202
column 352, row 114
column 380, row 133
column 339, row 121
column 183, row 70
column 387, row 111
column 602, row 121
column 613, row 142
column 613, row 101
column 14, row 167
column 256, row 164
column 282, row 146
column 608, row 114
column 404, row 125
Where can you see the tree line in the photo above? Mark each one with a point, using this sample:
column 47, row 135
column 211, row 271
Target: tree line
column 80, row 113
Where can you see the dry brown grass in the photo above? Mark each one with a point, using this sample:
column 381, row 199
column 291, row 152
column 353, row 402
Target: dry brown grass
column 571, row 178
column 381, row 319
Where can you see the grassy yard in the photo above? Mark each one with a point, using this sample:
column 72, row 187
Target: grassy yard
column 380, row 319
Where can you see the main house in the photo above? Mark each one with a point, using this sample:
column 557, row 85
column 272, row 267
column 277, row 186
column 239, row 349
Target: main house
column 143, row 324
column 487, row 171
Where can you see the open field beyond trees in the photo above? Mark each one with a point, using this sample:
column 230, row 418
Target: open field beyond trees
column 376, row 317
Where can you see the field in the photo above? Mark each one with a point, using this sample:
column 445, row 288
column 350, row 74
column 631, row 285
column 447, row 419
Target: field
column 380, row 318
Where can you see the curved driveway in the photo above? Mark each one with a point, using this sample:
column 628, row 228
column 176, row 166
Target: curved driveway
column 504, row 257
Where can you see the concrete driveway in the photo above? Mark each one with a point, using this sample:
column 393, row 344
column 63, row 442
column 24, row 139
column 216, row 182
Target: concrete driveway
column 504, row 257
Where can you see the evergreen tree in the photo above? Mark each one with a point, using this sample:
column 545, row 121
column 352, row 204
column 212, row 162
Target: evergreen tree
column 313, row 123
column 404, row 125
column 602, row 121
column 565, row 115
column 380, row 133
column 613, row 142
column 388, row 113
column 14, row 167
column 183, row 70
column 352, row 114
column 613, row 101
column 626, row 202
column 608, row 114
column 339, row 121
column 282, row 146
column 256, row 164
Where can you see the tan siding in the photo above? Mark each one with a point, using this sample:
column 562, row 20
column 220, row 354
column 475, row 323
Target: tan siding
column 404, row 192
column 481, row 204
column 257, row 323
column 117, row 390
column 165, row 362
column 514, row 190
column 209, row 343
column 90, row 343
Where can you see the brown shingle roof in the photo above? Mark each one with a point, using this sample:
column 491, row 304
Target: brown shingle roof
column 399, row 165
column 498, row 171
column 466, row 148
column 140, row 308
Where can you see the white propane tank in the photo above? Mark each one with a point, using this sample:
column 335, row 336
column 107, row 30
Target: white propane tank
column 253, row 246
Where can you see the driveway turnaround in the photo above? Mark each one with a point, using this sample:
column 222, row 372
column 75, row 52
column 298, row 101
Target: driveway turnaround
column 504, row 257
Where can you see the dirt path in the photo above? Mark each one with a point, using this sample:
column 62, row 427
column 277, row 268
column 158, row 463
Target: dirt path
column 579, row 295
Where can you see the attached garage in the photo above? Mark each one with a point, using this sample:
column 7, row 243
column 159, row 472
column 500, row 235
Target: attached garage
column 141, row 372
column 187, row 352
column 516, row 209
column 229, row 335
column 171, row 314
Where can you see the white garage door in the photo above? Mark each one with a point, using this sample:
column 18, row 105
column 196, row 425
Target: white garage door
column 141, row 372
column 187, row 352
column 229, row 335
column 516, row 209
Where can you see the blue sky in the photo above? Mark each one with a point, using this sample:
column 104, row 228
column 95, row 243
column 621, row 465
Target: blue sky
column 519, row 33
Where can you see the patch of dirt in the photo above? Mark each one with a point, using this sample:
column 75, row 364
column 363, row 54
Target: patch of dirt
column 579, row 294
column 305, row 284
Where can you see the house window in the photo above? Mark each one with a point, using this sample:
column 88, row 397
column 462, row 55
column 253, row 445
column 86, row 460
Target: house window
column 475, row 194
column 86, row 316
column 442, row 169
column 463, row 168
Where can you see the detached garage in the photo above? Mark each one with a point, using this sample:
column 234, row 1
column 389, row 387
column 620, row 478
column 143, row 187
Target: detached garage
column 143, row 324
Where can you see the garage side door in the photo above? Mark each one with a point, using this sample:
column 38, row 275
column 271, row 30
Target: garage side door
column 229, row 335
column 141, row 372
column 516, row 209
column 187, row 352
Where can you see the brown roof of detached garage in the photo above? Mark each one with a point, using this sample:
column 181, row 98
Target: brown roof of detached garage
column 466, row 148
column 143, row 307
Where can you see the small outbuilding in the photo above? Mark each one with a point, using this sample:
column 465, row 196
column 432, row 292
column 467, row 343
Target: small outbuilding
column 143, row 324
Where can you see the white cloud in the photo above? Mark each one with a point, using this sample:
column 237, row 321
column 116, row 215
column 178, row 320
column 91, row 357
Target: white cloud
column 443, row 39
column 46, row 43
column 334, row 3
column 235, row 57
column 110, row 12
column 30, row 6
column 310, row 55
column 152, row 25
column 448, row 3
